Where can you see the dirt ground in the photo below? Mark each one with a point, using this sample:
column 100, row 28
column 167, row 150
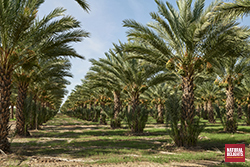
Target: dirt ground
column 19, row 159
column 63, row 162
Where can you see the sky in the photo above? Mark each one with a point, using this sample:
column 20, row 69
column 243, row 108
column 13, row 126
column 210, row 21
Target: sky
column 104, row 23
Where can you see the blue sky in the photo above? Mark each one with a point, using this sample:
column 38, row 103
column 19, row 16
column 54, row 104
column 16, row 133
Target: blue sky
column 104, row 22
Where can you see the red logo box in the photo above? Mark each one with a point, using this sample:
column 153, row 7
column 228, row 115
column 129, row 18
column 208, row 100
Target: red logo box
column 234, row 152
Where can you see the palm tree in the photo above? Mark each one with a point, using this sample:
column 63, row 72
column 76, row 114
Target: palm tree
column 106, row 73
column 14, row 24
column 244, row 96
column 23, row 38
column 235, row 9
column 209, row 92
column 230, row 73
column 48, row 85
column 137, row 77
column 157, row 95
column 21, row 78
column 185, row 41
column 83, row 4
column 130, row 76
column 57, row 67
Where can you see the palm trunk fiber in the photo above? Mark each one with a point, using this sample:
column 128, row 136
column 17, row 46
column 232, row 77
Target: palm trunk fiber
column 231, row 124
column 188, row 110
column 210, row 112
column 117, row 108
column 135, row 113
column 20, row 119
column 205, row 110
column 5, row 84
column 240, row 113
column 160, row 109
column 185, row 137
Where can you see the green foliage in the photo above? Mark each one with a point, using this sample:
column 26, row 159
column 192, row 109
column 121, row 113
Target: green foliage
column 35, row 114
column 237, row 9
column 138, row 118
column 109, row 112
column 181, row 72
column 246, row 111
column 153, row 113
column 221, row 113
column 170, row 65
column 182, row 134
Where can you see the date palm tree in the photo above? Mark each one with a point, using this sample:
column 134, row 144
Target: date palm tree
column 157, row 95
column 230, row 73
column 137, row 77
column 22, row 77
column 184, row 40
column 244, row 97
column 106, row 73
column 132, row 77
column 48, row 86
column 234, row 9
column 83, row 4
column 23, row 38
column 209, row 92
column 29, row 73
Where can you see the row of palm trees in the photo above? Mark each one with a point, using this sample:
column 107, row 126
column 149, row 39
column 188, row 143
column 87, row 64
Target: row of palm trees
column 188, row 46
column 31, row 57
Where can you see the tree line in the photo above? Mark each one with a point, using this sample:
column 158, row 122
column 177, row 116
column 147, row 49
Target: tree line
column 34, row 61
column 188, row 63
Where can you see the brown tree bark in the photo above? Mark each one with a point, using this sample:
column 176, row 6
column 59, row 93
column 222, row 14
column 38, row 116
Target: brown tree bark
column 205, row 111
column 231, row 125
column 117, row 108
column 185, row 135
column 33, row 115
column 240, row 113
column 5, row 84
column 198, row 110
column 160, row 109
column 135, row 112
column 210, row 111
column 103, row 116
column 188, row 111
column 20, row 119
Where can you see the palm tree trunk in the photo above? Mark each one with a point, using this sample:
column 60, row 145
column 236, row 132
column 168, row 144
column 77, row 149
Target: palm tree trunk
column 38, row 111
column 5, row 92
column 102, row 116
column 240, row 113
column 117, row 108
column 20, row 119
column 160, row 109
column 185, row 136
column 210, row 112
column 198, row 110
column 33, row 113
column 89, row 116
column 188, row 111
column 205, row 111
column 96, row 115
column 135, row 113
column 230, row 122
